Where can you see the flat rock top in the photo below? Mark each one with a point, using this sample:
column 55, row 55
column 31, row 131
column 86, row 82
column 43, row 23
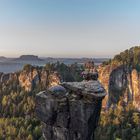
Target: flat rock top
column 91, row 88
column 86, row 87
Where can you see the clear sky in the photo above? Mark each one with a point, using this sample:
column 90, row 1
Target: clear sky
column 68, row 28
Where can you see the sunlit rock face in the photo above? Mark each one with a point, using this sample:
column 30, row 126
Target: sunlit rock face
column 54, row 79
column 104, row 76
column 136, row 88
column 120, row 81
column 70, row 111
column 128, row 85
column 30, row 79
column 44, row 78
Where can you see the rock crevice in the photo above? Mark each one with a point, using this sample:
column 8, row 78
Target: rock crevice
column 70, row 111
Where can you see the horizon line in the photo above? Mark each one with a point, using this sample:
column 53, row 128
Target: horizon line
column 70, row 57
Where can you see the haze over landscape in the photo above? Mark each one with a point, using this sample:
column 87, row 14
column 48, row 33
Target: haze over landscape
column 69, row 70
column 75, row 28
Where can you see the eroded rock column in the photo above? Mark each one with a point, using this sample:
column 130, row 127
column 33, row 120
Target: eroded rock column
column 70, row 111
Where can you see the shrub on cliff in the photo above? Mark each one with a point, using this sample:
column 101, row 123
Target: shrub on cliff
column 130, row 57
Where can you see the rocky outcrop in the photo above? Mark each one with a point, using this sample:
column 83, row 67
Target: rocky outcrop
column 29, row 80
column 7, row 78
column 124, row 83
column 117, row 85
column 104, row 76
column 136, row 88
column 120, row 82
column 70, row 111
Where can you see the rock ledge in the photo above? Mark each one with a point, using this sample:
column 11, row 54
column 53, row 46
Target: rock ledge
column 70, row 111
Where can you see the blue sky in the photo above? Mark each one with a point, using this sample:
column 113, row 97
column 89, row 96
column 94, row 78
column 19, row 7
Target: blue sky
column 68, row 28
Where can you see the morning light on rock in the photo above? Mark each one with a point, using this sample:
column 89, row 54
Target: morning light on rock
column 69, row 70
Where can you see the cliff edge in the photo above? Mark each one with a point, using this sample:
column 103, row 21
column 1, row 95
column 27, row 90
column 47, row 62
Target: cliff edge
column 70, row 111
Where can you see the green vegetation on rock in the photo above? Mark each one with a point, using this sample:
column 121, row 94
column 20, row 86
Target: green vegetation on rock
column 17, row 106
column 129, row 57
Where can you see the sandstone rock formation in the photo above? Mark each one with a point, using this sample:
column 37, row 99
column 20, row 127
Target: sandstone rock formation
column 120, row 81
column 117, row 85
column 136, row 88
column 104, row 76
column 6, row 78
column 29, row 79
column 70, row 111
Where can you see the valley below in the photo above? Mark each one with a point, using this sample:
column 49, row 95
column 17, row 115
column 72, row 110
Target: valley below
column 20, row 82
column 8, row 65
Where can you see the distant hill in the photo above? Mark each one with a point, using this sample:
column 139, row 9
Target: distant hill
column 28, row 58
column 2, row 58
column 14, row 64
column 34, row 58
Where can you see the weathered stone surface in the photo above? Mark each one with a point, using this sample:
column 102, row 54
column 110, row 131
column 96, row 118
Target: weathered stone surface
column 86, row 88
column 117, row 84
column 70, row 111
column 90, row 72
column 120, row 81
column 30, row 79
column 126, row 85
column 136, row 88
column 6, row 78
column 104, row 76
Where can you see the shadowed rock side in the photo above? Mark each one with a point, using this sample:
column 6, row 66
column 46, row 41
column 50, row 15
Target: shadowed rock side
column 121, row 82
column 104, row 76
column 70, row 111
column 117, row 85
column 124, row 84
